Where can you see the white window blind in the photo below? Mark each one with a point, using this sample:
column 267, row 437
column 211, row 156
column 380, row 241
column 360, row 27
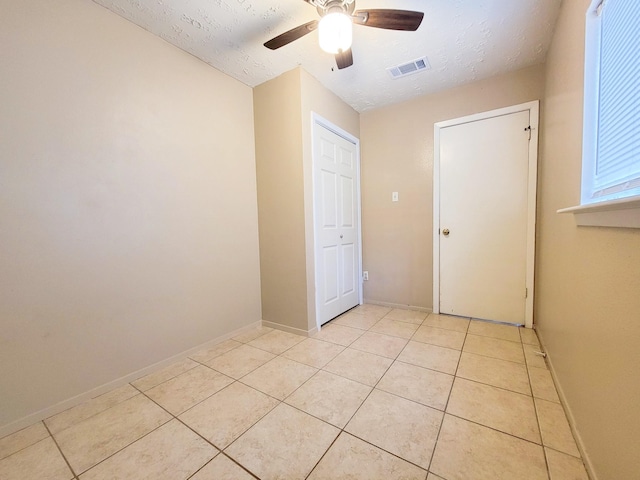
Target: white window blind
column 610, row 193
column 615, row 170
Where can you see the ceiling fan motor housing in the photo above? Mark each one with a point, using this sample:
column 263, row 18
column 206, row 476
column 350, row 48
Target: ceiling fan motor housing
column 330, row 6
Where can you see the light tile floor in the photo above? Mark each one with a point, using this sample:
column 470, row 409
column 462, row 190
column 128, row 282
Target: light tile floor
column 377, row 394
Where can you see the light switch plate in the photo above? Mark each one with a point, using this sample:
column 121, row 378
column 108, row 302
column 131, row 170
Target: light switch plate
column 394, row 196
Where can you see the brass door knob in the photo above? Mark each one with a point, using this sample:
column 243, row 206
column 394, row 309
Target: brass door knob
column 445, row 232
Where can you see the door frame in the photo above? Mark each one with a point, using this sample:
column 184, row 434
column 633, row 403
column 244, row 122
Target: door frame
column 534, row 114
column 323, row 122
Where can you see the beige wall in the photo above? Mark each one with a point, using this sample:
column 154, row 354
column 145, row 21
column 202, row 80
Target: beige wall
column 397, row 156
column 283, row 109
column 277, row 105
column 588, row 279
column 128, row 218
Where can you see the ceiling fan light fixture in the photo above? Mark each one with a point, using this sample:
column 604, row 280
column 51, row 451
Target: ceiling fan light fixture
column 335, row 32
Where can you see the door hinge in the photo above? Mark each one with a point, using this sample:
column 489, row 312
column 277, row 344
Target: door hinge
column 526, row 293
column 528, row 130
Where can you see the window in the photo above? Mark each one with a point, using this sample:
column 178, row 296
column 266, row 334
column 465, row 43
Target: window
column 610, row 195
column 611, row 137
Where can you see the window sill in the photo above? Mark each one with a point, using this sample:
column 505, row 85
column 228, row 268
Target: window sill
column 624, row 213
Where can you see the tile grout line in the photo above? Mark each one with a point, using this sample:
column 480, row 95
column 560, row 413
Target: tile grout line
column 223, row 453
column 499, row 388
column 535, row 410
column 373, row 388
column 326, row 371
column 137, row 439
column 342, row 430
column 168, row 379
column 27, row 446
column 76, row 475
column 496, row 430
column 444, row 413
column 495, row 358
column 363, row 402
column 248, row 373
column 86, row 403
column 219, row 450
column 384, row 450
column 201, row 362
column 64, row 457
column 222, row 450
column 280, row 402
column 283, row 401
column 462, row 418
column 324, row 454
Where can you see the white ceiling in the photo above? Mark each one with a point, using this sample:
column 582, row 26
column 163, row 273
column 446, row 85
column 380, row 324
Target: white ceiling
column 464, row 40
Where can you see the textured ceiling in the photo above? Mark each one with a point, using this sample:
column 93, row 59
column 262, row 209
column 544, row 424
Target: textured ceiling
column 464, row 40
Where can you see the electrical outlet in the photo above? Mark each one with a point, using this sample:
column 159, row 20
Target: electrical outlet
column 365, row 275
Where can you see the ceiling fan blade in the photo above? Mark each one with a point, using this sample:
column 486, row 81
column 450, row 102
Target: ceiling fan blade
column 291, row 35
column 389, row 19
column 344, row 59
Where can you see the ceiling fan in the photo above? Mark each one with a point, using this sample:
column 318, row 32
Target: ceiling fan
column 334, row 26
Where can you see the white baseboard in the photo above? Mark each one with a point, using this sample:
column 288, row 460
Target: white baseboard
column 288, row 329
column 24, row 422
column 569, row 413
column 398, row 305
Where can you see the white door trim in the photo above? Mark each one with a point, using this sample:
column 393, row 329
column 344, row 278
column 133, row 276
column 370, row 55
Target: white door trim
column 319, row 120
column 534, row 112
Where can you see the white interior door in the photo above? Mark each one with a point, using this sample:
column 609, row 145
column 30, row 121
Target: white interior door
column 336, row 224
column 483, row 227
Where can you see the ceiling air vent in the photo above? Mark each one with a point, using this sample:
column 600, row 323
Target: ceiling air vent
column 409, row 68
